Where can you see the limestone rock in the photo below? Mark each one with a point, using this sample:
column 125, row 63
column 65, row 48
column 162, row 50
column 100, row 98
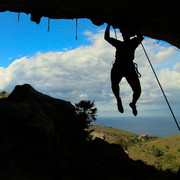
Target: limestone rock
column 99, row 135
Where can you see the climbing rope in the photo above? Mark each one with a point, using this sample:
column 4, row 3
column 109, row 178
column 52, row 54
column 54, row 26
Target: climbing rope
column 18, row 16
column 115, row 33
column 48, row 30
column 158, row 42
column 76, row 27
column 160, row 87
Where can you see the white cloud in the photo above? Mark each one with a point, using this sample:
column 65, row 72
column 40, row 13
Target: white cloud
column 84, row 72
column 164, row 54
column 176, row 67
column 83, row 96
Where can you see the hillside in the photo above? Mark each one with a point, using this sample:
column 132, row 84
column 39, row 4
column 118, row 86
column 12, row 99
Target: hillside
column 112, row 134
column 163, row 153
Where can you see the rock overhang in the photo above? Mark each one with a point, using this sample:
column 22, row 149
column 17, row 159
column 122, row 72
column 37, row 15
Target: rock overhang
column 156, row 19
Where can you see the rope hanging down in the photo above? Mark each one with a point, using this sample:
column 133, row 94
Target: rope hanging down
column 160, row 87
column 76, row 27
column 115, row 33
column 18, row 16
column 48, row 30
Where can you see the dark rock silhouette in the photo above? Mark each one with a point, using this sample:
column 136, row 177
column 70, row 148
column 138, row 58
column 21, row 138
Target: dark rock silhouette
column 157, row 19
column 39, row 139
column 27, row 109
column 28, row 120
column 57, row 158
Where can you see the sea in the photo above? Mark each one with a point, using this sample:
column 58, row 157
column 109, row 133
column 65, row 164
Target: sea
column 152, row 126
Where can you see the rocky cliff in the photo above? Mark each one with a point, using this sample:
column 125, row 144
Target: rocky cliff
column 31, row 117
column 29, row 120
column 156, row 19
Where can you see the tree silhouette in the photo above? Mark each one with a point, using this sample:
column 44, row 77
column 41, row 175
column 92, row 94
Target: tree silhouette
column 86, row 113
column 86, row 108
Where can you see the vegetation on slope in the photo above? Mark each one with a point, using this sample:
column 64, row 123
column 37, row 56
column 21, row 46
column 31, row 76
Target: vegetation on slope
column 163, row 153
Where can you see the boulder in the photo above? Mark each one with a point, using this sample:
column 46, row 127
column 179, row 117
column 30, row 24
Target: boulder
column 99, row 135
column 28, row 118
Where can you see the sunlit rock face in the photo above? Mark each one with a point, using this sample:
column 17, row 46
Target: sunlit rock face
column 156, row 19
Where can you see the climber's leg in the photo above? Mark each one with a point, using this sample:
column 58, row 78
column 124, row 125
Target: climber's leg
column 115, row 80
column 134, row 82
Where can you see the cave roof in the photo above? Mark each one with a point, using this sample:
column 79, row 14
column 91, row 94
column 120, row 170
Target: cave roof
column 156, row 19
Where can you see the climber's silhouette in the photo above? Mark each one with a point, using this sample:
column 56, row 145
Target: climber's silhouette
column 124, row 66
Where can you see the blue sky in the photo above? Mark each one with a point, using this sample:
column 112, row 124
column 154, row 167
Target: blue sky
column 57, row 64
column 25, row 37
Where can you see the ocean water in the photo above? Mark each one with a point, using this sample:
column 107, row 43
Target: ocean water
column 160, row 126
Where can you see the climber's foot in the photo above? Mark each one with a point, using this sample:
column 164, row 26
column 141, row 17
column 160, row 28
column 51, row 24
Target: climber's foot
column 134, row 110
column 119, row 105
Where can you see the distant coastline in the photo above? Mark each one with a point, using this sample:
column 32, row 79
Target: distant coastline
column 160, row 126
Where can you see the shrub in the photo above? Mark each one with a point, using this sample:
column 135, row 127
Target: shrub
column 158, row 164
column 156, row 151
column 123, row 142
column 135, row 141
column 169, row 158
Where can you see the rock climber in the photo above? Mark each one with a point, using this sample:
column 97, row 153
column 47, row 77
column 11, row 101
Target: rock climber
column 124, row 65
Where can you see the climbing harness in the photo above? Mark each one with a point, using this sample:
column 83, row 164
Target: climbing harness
column 135, row 64
column 161, row 87
column 137, row 71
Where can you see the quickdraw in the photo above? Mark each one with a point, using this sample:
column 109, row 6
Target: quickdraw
column 136, row 69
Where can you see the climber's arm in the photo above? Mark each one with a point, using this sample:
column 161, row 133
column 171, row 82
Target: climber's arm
column 107, row 33
column 107, row 37
column 139, row 37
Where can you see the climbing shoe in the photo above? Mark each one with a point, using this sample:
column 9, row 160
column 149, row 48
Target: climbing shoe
column 134, row 110
column 119, row 105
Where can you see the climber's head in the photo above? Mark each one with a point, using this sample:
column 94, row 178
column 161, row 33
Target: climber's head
column 126, row 34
